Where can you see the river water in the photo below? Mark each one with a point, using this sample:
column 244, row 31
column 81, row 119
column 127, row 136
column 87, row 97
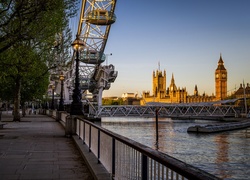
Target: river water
column 224, row 154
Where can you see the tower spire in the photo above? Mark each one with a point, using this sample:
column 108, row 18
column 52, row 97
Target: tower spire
column 172, row 80
column 221, row 80
column 220, row 64
column 221, row 60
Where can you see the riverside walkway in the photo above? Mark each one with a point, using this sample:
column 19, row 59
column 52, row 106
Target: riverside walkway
column 36, row 148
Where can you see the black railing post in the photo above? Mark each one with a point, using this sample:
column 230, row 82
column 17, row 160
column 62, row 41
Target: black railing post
column 89, row 138
column 156, row 124
column 79, row 129
column 98, row 146
column 144, row 167
column 83, row 135
column 113, row 157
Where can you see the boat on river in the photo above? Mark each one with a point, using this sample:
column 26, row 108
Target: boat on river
column 219, row 127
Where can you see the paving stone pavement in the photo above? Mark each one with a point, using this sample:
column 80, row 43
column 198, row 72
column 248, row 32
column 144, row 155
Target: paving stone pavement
column 37, row 149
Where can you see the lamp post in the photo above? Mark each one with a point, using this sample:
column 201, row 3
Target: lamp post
column 53, row 100
column 61, row 108
column 76, row 105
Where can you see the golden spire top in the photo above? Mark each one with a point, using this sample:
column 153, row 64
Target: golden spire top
column 220, row 60
column 172, row 80
column 220, row 64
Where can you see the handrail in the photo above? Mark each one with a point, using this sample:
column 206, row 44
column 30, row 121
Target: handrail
column 140, row 161
column 183, row 170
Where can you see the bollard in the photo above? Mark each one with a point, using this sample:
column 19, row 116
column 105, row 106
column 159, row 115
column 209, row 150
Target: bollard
column 58, row 115
column 68, row 126
column 50, row 113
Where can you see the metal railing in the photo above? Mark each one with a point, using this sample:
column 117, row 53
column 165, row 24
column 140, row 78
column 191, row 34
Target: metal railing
column 127, row 159
column 167, row 111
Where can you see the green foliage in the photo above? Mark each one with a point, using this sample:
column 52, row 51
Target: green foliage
column 111, row 101
column 6, row 92
column 28, row 31
column 35, row 83
column 35, row 22
column 22, row 62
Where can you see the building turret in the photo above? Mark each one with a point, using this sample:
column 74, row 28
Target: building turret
column 195, row 91
column 172, row 86
column 159, row 83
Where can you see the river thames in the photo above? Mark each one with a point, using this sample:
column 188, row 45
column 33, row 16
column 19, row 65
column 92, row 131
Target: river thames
column 224, row 154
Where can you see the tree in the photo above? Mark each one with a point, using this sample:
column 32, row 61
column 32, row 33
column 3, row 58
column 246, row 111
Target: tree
column 34, row 84
column 28, row 30
column 25, row 20
column 110, row 101
column 20, row 66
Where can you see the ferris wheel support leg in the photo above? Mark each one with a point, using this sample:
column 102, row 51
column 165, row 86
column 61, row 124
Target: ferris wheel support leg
column 100, row 98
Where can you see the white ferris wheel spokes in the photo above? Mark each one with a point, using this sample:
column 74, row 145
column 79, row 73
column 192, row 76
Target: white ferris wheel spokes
column 94, row 25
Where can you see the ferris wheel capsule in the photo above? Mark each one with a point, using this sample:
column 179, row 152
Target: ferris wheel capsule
column 92, row 57
column 101, row 17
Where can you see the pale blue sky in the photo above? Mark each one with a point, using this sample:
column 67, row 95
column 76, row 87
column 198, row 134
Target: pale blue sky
column 185, row 36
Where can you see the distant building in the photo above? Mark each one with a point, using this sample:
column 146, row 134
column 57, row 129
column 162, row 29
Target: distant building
column 243, row 96
column 172, row 94
column 130, row 99
column 240, row 92
column 129, row 95
column 111, row 98
column 196, row 97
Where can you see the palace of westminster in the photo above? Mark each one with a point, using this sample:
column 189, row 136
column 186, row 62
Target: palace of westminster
column 172, row 94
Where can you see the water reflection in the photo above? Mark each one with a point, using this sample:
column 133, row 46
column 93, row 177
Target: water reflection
column 225, row 155
column 247, row 133
column 222, row 155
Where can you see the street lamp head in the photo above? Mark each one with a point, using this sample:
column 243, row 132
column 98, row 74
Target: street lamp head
column 78, row 44
column 61, row 77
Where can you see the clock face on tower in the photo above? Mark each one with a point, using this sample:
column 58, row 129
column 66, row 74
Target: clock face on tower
column 224, row 75
column 217, row 75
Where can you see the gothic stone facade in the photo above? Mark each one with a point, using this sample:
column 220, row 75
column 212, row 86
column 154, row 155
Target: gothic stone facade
column 172, row 94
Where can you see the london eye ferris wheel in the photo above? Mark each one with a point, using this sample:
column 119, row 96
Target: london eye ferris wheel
column 95, row 20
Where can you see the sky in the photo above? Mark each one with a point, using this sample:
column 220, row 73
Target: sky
column 183, row 37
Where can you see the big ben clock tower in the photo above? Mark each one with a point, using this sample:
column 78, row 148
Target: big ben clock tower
column 220, row 81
